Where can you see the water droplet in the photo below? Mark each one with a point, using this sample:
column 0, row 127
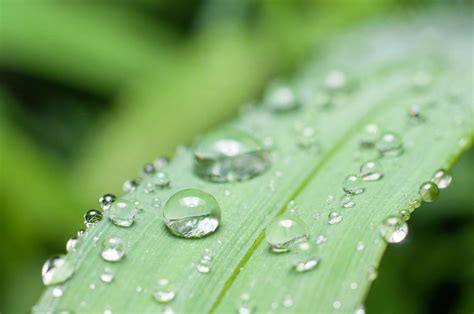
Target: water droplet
column 122, row 213
column 360, row 309
column 161, row 163
column 91, row 217
column 429, row 192
column 107, row 311
column 372, row 273
column 390, row 144
column 56, row 270
column 81, row 233
column 285, row 231
column 370, row 135
column 337, row 305
column 353, row 184
column 442, row 178
column 167, row 310
column 414, row 115
column 71, row 244
column 288, row 301
column 347, row 201
column 149, row 169
column 281, row 98
column 226, row 192
column 334, row 217
column 360, row 246
column 230, row 155
column 354, row 285
column 330, row 203
column 244, row 306
column 371, row 171
column 149, row 188
column 405, row 214
column 307, row 138
column 162, row 180
column 244, row 309
column 192, row 213
column 57, row 292
column 393, row 229
column 320, row 239
column 130, row 185
column 335, row 80
column 303, row 256
column 107, row 275
column 106, row 200
column 164, row 293
column 113, row 249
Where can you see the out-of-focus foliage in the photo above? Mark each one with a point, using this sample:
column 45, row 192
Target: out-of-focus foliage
column 78, row 80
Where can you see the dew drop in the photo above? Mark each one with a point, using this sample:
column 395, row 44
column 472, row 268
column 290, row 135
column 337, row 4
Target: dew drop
column 307, row 138
column 330, row 203
column 71, row 244
column 281, row 98
column 371, row 171
column 164, row 293
column 370, row 135
column 230, row 155
column 167, row 310
column 337, row 305
column 303, row 256
column 285, row 231
column 161, row 163
column 204, row 264
column 335, row 80
column 56, row 270
column 372, row 273
column 360, row 309
column 405, row 214
column 149, row 169
column 130, row 185
column 442, row 178
column 162, row 180
column 288, row 301
column 334, row 217
column 122, row 213
column 360, row 246
column 347, row 201
column 244, row 309
column 429, row 192
column 106, row 200
column 192, row 213
column 57, row 292
column 81, row 233
column 91, row 217
column 393, row 229
column 113, row 249
column 107, row 275
column 353, row 184
column 320, row 239
column 390, row 144
column 354, row 285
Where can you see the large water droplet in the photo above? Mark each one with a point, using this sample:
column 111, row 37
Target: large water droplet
column 281, row 98
column 303, row 256
column 106, row 200
column 122, row 213
column 307, row 138
column 113, row 249
column 372, row 273
column 371, row 171
column 442, row 178
column 192, row 213
column 353, row 184
column 91, row 217
column 230, row 155
column 429, row 192
column 285, row 231
column 164, row 293
column 393, row 229
column 390, row 144
column 56, row 270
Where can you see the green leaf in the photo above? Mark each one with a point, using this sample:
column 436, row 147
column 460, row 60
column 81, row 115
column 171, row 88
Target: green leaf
column 389, row 69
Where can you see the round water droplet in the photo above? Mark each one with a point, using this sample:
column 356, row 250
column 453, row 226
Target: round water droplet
column 336, row 305
column 414, row 115
column 285, row 231
column 288, row 301
column 91, row 217
column 372, row 273
column 307, row 138
column 56, row 270
column 57, row 292
column 106, row 200
column 360, row 246
column 71, row 244
column 390, row 144
column 371, row 171
column 161, row 163
column 149, row 169
column 370, row 135
column 192, row 213
column 113, row 249
column 360, row 309
column 230, row 155
column 429, row 192
column 353, row 184
column 336, row 80
column 405, row 214
column 122, row 213
column 162, row 180
column 303, row 256
column 347, row 201
column 81, row 233
column 393, row 229
column 244, row 309
column 442, row 178
column 107, row 275
column 320, row 239
column 164, row 292
column 281, row 98
column 334, row 217
column 130, row 185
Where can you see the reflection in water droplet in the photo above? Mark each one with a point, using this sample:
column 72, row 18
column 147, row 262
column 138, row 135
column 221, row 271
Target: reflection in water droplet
column 164, row 293
column 334, row 217
column 122, row 213
column 353, row 184
column 442, row 178
column 288, row 301
column 230, row 155
column 371, row 171
column 393, row 229
column 360, row 246
column 285, row 231
column 56, row 270
column 149, row 169
column 390, row 144
column 91, row 217
column 303, row 256
column 113, row 249
column 429, row 192
column 192, row 213
column 106, row 200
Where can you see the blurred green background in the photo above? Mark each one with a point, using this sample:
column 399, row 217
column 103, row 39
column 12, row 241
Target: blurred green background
column 91, row 90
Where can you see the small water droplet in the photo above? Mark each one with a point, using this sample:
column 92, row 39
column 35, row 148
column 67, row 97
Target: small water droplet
column 320, row 239
column 360, row 246
column 281, row 98
column 337, row 305
column 156, row 202
column 285, row 231
column 149, row 169
column 107, row 275
column 303, row 256
column 71, row 244
column 405, row 214
column 414, row 115
column 335, row 80
column 288, row 301
column 167, row 310
column 162, row 180
column 334, row 217
column 354, row 285
column 113, row 249
column 192, row 213
column 130, row 185
column 347, row 201
column 442, row 178
column 371, row 171
column 149, row 188
column 230, row 155
column 390, row 144
column 164, row 293
column 56, row 270
column 57, row 292
column 429, row 192
column 204, row 264
column 92, row 286
column 226, row 192
column 161, row 163
column 353, row 184
column 330, row 203
column 372, row 273
column 360, row 309
column 370, row 135
column 91, row 217
column 122, row 213
column 107, row 311
column 106, row 200
column 393, row 229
